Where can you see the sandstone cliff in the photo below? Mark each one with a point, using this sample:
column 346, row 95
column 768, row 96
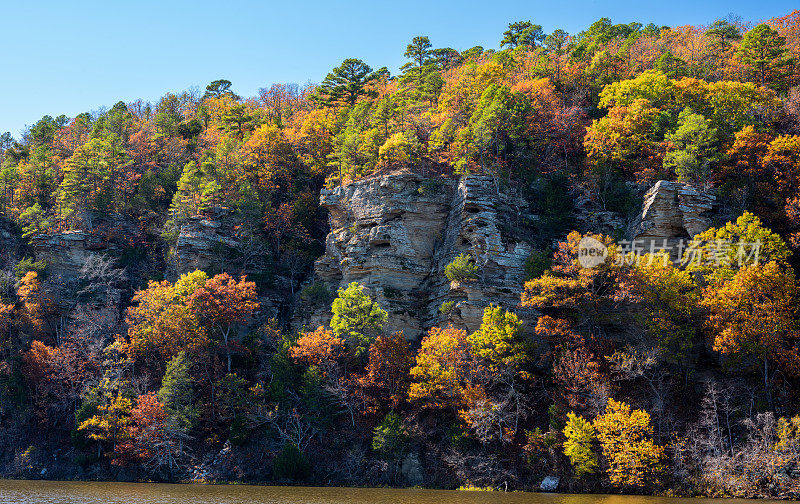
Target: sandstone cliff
column 204, row 241
column 395, row 233
column 671, row 212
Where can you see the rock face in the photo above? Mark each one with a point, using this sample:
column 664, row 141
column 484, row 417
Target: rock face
column 394, row 234
column 10, row 243
column 67, row 252
column 204, row 241
column 412, row 471
column 671, row 212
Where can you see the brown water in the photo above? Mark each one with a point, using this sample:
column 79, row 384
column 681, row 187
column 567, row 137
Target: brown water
column 55, row 492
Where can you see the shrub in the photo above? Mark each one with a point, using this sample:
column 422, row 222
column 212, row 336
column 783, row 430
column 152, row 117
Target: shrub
column 316, row 293
column 447, row 307
column 389, row 438
column 461, row 269
column 291, row 464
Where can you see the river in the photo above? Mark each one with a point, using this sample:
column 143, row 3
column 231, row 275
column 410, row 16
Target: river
column 57, row 492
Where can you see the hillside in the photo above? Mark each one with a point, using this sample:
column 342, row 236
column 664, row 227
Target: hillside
column 572, row 257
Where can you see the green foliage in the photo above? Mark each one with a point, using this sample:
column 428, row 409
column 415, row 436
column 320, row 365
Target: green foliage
column 717, row 252
column 177, row 392
column 218, row 88
column 90, row 177
column 430, row 187
column 198, row 190
column 522, row 33
column 555, row 417
column 578, row 445
column 536, row 264
column 27, row 264
column 552, row 201
column 291, row 464
column 316, row 293
column 764, row 50
column 446, row 307
column 497, row 340
column 693, row 149
column 86, row 410
column 34, row 220
column 356, row 317
column 345, row 83
column 461, row 269
column 390, row 438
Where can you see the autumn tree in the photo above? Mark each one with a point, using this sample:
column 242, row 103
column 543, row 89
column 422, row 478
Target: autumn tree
column 161, row 322
column 386, row 378
column 626, row 437
column 718, row 252
column 583, row 296
column 36, row 306
column 320, row 348
column 753, row 315
column 580, row 436
column 440, row 368
column 669, row 300
column 497, row 341
column 221, row 303
column 110, row 424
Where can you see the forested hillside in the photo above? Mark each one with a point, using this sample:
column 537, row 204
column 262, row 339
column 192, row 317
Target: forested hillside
column 157, row 272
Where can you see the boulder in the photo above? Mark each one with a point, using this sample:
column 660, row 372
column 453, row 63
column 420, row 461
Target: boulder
column 549, row 484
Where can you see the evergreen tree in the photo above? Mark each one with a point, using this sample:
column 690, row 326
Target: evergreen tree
column 765, row 52
column 345, row 83
column 522, row 33
column 177, row 392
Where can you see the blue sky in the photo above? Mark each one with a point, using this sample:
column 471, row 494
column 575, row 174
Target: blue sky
column 68, row 57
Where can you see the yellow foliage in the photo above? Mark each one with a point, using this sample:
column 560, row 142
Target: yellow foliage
column 634, row 460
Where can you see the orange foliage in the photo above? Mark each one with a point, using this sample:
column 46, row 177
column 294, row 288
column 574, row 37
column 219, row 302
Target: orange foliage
column 319, row 348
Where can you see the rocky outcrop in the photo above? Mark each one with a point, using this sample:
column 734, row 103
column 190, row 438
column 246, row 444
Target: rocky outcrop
column 490, row 225
column 671, row 212
column 204, row 242
column 394, row 234
column 67, row 252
